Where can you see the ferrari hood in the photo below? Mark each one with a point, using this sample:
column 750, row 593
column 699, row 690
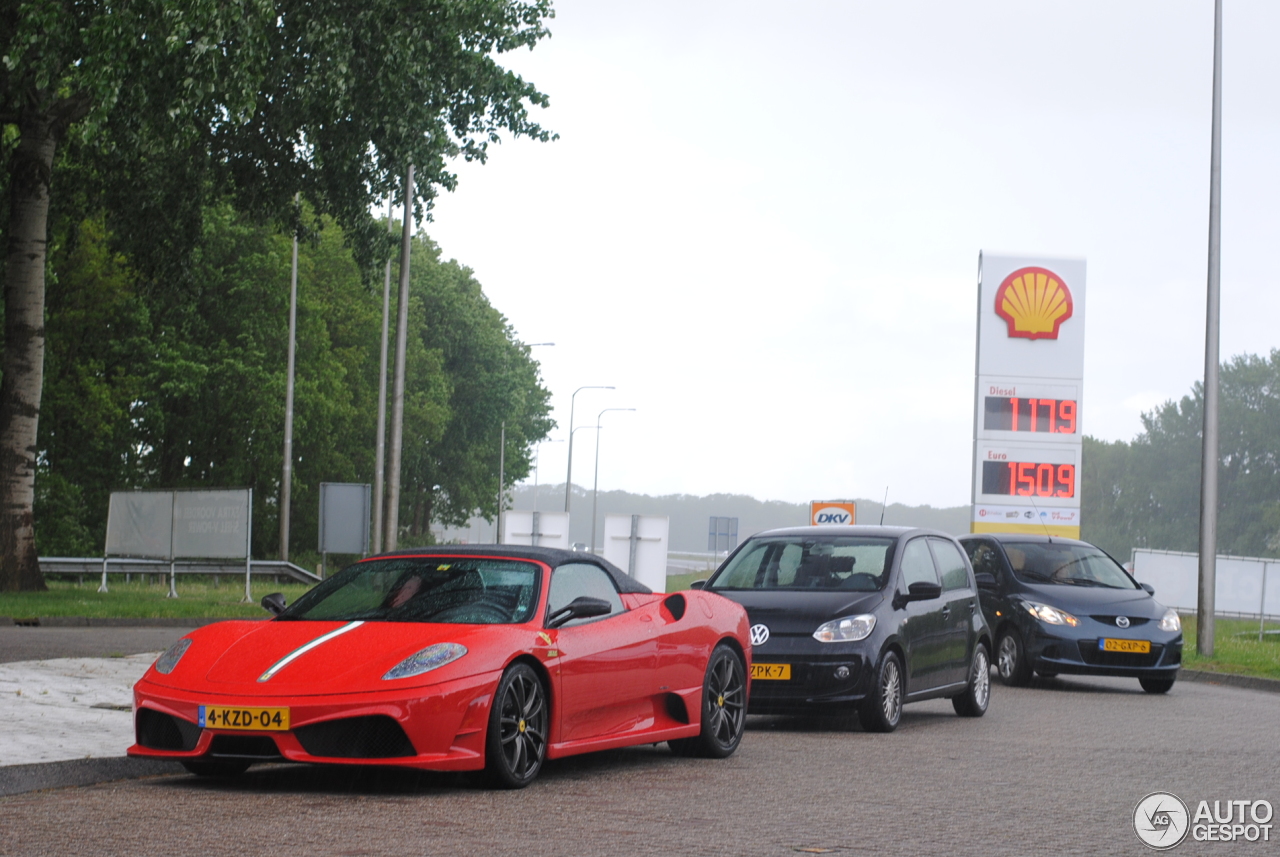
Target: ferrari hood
column 306, row 658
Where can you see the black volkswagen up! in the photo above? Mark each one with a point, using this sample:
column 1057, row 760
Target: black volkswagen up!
column 859, row 618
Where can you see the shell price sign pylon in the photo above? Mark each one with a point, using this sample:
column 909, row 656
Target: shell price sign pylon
column 1029, row 382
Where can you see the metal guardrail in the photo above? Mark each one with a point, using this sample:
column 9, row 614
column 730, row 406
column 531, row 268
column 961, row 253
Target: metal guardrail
column 57, row 565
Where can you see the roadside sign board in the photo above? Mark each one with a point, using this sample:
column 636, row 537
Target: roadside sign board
column 1027, row 437
column 827, row 512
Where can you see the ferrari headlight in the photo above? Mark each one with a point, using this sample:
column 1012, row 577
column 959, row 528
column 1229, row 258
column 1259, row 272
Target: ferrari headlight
column 430, row 658
column 167, row 662
column 1050, row 615
column 1170, row 621
column 847, row 630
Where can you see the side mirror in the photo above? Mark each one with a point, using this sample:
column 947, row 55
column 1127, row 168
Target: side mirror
column 582, row 607
column 985, row 580
column 698, row 584
column 273, row 603
column 923, row 591
column 1151, row 590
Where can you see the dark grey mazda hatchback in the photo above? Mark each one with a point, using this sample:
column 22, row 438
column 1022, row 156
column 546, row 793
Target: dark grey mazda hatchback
column 1064, row 606
column 859, row 618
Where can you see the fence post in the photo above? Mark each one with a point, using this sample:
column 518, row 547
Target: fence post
column 1262, row 603
column 103, row 587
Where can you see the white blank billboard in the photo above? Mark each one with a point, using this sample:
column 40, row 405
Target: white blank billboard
column 544, row 529
column 1175, row 576
column 647, row 535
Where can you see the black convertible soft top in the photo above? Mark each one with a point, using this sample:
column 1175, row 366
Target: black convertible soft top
column 551, row 556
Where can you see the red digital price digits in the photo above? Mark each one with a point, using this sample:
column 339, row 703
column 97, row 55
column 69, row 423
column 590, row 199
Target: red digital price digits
column 1028, row 479
column 1057, row 416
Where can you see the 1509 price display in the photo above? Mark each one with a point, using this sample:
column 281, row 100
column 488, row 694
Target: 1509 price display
column 1020, row 413
column 1028, row 479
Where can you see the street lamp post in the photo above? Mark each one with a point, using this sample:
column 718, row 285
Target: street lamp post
column 596, row 483
column 568, row 476
column 537, row 449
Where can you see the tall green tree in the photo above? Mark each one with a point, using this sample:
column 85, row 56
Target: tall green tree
column 175, row 105
column 1146, row 492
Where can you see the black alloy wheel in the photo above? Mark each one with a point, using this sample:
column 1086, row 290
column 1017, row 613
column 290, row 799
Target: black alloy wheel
column 207, row 768
column 724, row 708
column 882, row 709
column 977, row 694
column 517, row 741
column 1156, row 685
column 1011, row 659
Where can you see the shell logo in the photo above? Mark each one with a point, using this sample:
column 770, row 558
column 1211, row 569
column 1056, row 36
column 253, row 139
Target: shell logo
column 1034, row 302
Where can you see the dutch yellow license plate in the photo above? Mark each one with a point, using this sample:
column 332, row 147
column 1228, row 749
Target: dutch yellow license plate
column 771, row 672
column 237, row 717
column 1138, row 647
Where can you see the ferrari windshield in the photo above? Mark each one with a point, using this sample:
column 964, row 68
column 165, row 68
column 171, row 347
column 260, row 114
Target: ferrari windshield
column 849, row 563
column 454, row 590
column 1072, row 565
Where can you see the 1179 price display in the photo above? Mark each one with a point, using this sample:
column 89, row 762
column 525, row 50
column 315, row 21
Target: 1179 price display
column 1018, row 413
column 1028, row 479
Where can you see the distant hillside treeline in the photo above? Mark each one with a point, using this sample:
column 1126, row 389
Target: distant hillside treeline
column 689, row 514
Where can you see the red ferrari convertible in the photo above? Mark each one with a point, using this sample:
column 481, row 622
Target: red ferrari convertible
column 454, row 659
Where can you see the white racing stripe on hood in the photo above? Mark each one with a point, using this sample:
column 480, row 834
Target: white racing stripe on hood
column 302, row 650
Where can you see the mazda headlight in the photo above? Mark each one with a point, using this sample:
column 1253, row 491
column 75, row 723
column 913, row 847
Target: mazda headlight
column 430, row 658
column 167, row 662
column 1050, row 615
column 847, row 630
column 1170, row 621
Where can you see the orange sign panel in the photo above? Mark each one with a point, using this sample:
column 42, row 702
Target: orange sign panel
column 1034, row 302
column 824, row 514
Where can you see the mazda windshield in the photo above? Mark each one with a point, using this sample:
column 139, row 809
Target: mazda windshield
column 457, row 590
column 1070, row 565
column 848, row 563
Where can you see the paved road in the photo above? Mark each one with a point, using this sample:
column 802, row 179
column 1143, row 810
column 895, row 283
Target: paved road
column 1052, row 769
column 19, row 643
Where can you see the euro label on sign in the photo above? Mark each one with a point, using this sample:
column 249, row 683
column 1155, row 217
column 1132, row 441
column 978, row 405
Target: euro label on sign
column 833, row 513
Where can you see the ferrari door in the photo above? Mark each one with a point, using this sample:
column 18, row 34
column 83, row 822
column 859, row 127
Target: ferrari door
column 606, row 664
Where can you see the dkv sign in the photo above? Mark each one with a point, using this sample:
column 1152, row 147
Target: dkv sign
column 832, row 513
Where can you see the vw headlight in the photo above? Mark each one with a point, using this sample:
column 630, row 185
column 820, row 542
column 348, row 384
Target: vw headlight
column 847, row 630
column 1050, row 615
column 167, row 662
column 1170, row 621
column 430, row 658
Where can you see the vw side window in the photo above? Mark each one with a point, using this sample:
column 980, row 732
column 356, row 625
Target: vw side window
column 951, row 563
column 917, row 564
column 577, row 579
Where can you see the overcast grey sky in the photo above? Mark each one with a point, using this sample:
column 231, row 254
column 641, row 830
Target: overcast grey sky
column 762, row 224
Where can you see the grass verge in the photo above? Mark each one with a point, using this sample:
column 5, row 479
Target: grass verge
column 197, row 598
column 1235, row 648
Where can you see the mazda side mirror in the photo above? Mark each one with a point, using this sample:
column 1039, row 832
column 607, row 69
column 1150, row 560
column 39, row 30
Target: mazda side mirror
column 1151, row 590
column 582, row 607
column 985, row 580
column 274, row 603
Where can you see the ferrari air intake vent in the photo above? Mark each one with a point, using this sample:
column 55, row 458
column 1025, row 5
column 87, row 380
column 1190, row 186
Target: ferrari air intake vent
column 161, row 731
column 373, row 737
column 257, row 747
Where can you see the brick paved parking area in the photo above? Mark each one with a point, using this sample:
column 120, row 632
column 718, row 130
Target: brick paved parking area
column 1056, row 768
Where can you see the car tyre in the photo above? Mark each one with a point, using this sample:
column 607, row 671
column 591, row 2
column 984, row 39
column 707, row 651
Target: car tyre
column 724, row 708
column 881, row 711
column 1156, row 685
column 205, row 768
column 516, row 743
column 977, row 695
column 1011, row 659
